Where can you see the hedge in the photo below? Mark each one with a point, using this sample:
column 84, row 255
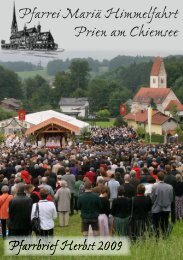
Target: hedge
column 180, row 138
column 155, row 138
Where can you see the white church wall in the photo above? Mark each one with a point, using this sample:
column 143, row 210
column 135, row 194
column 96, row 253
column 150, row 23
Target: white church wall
column 171, row 96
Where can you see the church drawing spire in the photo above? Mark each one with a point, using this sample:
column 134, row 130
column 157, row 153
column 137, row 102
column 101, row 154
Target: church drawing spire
column 14, row 26
column 28, row 38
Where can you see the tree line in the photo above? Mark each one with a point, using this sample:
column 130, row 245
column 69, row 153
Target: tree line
column 121, row 60
column 19, row 66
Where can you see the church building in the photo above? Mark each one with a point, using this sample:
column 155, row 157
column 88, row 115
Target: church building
column 163, row 99
column 158, row 92
column 28, row 38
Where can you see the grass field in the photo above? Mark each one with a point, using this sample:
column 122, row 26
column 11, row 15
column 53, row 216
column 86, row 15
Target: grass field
column 43, row 73
column 32, row 74
column 170, row 249
column 103, row 124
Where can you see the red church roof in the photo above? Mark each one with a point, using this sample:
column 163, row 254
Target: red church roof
column 176, row 103
column 144, row 95
column 156, row 66
column 158, row 118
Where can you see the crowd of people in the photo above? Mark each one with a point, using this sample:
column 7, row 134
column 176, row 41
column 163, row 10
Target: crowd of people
column 126, row 188
column 113, row 135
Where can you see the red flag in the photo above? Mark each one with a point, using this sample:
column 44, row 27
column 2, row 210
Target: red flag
column 21, row 115
column 122, row 109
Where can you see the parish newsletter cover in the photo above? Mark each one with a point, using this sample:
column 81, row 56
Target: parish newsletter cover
column 92, row 89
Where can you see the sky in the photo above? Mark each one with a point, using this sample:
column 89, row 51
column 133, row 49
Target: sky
column 67, row 31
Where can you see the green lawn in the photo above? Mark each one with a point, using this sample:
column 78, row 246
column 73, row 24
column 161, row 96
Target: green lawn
column 170, row 249
column 32, row 74
column 103, row 124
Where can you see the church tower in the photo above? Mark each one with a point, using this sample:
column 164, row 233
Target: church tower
column 158, row 77
column 39, row 28
column 14, row 26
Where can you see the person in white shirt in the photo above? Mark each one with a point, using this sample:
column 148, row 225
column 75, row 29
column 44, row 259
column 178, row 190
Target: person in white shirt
column 47, row 214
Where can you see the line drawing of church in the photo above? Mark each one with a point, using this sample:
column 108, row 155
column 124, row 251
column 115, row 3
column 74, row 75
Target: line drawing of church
column 29, row 39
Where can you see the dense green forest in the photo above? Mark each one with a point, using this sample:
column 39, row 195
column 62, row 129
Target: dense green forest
column 104, row 91
column 10, row 84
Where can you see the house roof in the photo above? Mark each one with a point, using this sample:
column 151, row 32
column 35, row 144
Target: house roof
column 39, row 117
column 72, row 113
column 32, row 30
column 156, row 66
column 12, row 102
column 176, row 103
column 73, row 101
column 53, row 121
column 158, row 118
column 28, row 32
column 18, row 34
column 157, row 94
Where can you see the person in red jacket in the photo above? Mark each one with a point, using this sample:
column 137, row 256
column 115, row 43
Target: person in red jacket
column 91, row 175
column 25, row 176
column 137, row 170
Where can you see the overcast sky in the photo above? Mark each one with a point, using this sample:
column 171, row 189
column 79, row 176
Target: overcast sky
column 64, row 33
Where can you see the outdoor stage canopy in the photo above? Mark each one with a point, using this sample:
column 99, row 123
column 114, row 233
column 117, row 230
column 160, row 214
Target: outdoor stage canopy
column 53, row 129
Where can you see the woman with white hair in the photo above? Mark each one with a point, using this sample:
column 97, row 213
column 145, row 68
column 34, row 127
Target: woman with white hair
column 63, row 196
column 5, row 199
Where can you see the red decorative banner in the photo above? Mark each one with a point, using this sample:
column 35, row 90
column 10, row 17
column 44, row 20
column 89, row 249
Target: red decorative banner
column 21, row 115
column 122, row 109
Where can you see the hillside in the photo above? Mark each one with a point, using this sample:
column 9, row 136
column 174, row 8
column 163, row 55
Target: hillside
column 31, row 74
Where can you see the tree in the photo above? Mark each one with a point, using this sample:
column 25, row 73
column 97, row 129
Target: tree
column 141, row 131
column 55, row 66
column 39, row 95
column 5, row 114
column 103, row 113
column 79, row 70
column 18, row 66
column 79, row 93
column 2, row 137
column 119, row 121
column 174, row 68
column 152, row 104
column 117, row 97
column 93, row 64
column 177, row 87
column 98, row 93
column 63, row 85
column 31, row 85
column 10, row 84
column 123, row 60
column 174, row 113
column 41, row 99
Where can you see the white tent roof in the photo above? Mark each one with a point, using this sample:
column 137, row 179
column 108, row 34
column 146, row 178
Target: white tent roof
column 39, row 117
